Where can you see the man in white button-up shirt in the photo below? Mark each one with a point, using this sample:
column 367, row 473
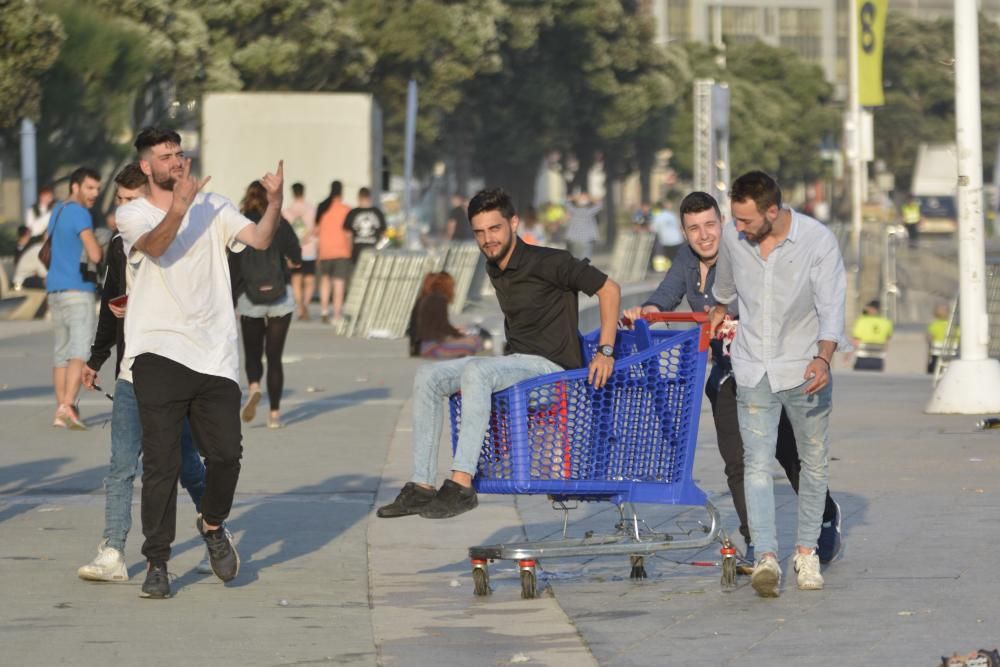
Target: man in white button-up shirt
column 786, row 271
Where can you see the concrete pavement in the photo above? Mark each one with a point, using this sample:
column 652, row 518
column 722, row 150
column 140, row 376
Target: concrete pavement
column 325, row 582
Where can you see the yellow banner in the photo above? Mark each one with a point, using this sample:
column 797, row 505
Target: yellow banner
column 871, row 36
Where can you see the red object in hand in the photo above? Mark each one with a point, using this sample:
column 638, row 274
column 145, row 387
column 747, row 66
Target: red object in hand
column 119, row 301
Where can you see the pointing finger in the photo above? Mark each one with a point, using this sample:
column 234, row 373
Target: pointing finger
column 203, row 181
column 281, row 169
column 186, row 167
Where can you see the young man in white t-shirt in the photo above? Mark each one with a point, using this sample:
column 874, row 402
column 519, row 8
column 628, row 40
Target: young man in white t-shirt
column 181, row 343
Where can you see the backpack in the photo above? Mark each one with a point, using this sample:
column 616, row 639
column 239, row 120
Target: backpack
column 263, row 275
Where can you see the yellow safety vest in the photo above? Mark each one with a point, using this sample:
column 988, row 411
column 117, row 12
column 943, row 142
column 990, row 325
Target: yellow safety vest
column 911, row 213
column 872, row 329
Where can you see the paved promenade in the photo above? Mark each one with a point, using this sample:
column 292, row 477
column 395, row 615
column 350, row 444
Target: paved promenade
column 325, row 582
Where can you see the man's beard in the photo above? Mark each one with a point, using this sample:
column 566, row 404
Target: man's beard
column 762, row 234
column 502, row 252
column 164, row 182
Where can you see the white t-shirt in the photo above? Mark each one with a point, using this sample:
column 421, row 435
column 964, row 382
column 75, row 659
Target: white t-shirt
column 180, row 305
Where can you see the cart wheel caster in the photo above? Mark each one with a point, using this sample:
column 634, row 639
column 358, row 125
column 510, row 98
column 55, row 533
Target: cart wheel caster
column 529, row 579
column 638, row 568
column 480, row 578
column 728, row 567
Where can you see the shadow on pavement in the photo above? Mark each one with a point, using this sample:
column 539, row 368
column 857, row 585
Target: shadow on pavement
column 319, row 406
column 282, row 528
column 26, row 392
column 40, row 478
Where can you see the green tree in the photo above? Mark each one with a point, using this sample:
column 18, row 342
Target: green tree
column 29, row 45
column 88, row 95
column 919, row 86
column 780, row 111
column 302, row 45
column 442, row 45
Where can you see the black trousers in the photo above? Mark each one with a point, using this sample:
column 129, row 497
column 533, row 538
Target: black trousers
column 167, row 391
column 266, row 335
column 727, row 429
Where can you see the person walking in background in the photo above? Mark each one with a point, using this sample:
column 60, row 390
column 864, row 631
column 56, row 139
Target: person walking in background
column 669, row 236
column 431, row 334
column 37, row 217
column 937, row 336
column 265, row 305
column 334, row 253
column 870, row 334
column 911, row 219
column 530, row 230
column 301, row 215
column 70, row 292
column 787, row 273
column 126, row 428
column 581, row 225
column 366, row 223
column 457, row 226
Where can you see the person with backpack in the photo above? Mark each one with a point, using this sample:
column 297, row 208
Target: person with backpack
column 265, row 305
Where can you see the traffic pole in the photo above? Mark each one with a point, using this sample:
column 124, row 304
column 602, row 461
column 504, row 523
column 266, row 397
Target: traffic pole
column 970, row 384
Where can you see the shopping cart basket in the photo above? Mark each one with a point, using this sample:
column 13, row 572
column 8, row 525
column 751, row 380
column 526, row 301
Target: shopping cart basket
column 632, row 441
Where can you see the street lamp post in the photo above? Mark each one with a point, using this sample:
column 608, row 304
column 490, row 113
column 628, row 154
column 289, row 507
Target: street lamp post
column 971, row 384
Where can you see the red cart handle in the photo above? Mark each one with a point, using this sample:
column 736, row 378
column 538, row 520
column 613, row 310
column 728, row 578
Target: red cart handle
column 701, row 319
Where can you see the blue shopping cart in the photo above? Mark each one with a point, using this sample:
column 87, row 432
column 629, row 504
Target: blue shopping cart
column 632, row 441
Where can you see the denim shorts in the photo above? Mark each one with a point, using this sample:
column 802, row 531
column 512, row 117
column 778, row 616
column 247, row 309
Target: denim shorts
column 73, row 317
column 280, row 308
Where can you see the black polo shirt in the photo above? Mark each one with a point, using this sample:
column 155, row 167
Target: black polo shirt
column 538, row 294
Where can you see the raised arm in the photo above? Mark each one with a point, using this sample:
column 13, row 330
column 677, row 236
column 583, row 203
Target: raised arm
column 259, row 236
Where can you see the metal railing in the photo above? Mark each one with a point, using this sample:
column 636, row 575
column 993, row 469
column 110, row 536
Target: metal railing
column 631, row 255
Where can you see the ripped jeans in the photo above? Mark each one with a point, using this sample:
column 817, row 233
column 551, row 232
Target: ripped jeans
column 759, row 411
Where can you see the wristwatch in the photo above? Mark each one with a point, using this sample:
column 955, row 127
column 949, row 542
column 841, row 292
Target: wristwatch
column 607, row 350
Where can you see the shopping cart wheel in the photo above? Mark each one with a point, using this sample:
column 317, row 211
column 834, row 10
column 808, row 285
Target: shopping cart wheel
column 638, row 567
column 529, row 579
column 480, row 577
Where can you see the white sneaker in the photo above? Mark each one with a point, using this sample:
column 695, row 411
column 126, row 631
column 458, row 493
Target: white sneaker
column 766, row 577
column 205, row 566
column 109, row 565
column 807, row 571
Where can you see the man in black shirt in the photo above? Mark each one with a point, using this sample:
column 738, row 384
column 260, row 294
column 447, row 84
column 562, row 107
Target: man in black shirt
column 538, row 293
column 366, row 223
column 458, row 228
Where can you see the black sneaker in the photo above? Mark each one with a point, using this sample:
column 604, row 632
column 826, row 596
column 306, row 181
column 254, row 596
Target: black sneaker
column 222, row 554
column 828, row 545
column 157, row 584
column 451, row 500
column 411, row 500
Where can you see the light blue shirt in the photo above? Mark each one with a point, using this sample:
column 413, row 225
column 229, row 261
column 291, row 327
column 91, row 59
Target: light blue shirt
column 667, row 228
column 787, row 303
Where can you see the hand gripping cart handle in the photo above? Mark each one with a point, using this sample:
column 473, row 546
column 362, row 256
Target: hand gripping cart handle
column 632, row 441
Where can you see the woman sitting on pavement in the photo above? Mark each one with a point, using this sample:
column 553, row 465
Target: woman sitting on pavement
column 431, row 334
column 265, row 305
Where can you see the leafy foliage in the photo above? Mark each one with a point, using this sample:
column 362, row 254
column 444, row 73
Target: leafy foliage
column 29, row 45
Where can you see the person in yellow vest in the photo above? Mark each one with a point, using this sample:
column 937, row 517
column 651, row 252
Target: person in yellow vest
column 937, row 333
column 871, row 334
column 911, row 218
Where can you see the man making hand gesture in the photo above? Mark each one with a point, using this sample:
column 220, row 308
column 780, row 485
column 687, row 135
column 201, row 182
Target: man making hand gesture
column 181, row 342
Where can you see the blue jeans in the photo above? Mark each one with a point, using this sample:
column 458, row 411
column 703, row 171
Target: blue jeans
column 477, row 378
column 126, row 447
column 759, row 411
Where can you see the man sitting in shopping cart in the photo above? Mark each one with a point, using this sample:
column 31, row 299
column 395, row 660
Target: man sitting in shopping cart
column 538, row 290
column 692, row 275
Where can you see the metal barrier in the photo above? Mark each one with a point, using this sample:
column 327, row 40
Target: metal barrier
column 465, row 262
column 631, row 256
column 384, row 288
